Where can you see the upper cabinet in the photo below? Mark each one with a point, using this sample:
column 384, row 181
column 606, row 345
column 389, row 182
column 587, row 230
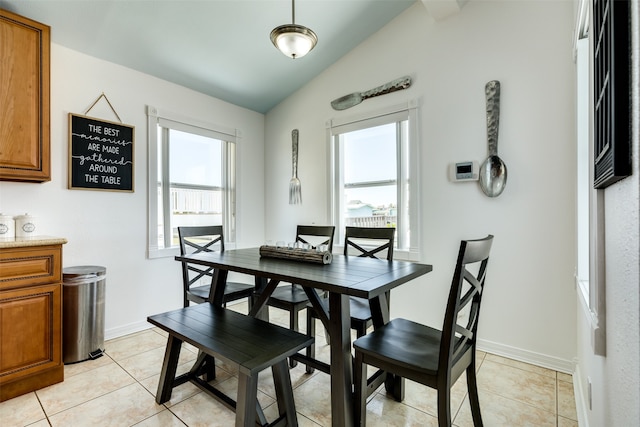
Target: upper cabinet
column 24, row 99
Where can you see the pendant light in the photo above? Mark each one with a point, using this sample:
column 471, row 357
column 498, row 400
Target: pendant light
column 293, row 40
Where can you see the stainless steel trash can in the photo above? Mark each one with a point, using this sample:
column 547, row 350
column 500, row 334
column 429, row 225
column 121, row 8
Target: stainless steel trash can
column 83, row 295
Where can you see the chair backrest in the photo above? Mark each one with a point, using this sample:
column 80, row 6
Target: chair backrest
column 369, row 241
column 195, row 240
column 203, row 238
column 316, row 235
column 457, row 338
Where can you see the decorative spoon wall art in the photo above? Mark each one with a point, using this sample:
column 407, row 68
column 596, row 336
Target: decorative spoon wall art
column 356, row 98
column 493, row 172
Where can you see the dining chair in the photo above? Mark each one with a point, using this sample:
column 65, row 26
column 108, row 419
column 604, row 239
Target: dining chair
column 292, row 297
column 197, row 239
column 372, row 242
column 432, row 357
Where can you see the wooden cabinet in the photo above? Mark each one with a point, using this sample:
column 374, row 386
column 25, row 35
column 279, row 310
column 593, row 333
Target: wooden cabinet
column 24, row 99
column 30, row 318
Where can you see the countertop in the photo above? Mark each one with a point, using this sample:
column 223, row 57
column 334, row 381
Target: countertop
column 19, row 242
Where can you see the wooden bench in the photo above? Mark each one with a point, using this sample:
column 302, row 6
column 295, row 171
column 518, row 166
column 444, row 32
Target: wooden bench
column 251, row 344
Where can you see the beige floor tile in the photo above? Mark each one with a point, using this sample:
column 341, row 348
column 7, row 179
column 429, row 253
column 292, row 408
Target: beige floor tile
column 521, row 365
column 100, row 392
column 271, row 412
column 165, row 418
column 565, row 422
column 130, row 345
column 123, row 407
column 565, row 377
column 298, row 376
column 425, row 398
column 21, row 411
column 522, row 385
column 383, row 411
column 159, row 331
column 83, row 387
column 313, row 399
column 86, row 365
column 183, row 391
column 566, row 401
column 230, row 388
column 41, row 423
column 203, row 410
column 499, row 411
column 149, row 363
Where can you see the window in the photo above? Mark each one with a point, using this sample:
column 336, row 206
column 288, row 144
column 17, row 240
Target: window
column 374, row 177
column 590, row 279
column 191, row 179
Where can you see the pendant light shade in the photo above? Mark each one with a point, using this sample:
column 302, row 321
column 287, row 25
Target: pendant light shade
column 293, row 40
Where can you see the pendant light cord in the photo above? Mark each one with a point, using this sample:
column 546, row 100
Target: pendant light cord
column 293, row 12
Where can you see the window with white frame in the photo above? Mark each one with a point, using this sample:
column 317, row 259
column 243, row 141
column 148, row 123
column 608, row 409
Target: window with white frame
column 191, row 179
column 375, row 175
column 590, row 279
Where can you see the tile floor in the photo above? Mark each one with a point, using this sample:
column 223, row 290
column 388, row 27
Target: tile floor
column 118, row 389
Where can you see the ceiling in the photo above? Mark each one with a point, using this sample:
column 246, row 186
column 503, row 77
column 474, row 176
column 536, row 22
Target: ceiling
column 217, row 47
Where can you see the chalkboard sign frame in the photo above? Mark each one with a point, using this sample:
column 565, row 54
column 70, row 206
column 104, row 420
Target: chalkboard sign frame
column 101, row 154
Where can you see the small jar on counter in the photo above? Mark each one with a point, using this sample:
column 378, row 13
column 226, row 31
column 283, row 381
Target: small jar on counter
column 7, row 227
column 26, row 226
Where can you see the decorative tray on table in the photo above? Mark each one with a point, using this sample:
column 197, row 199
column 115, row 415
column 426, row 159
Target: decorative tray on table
column 296, row 254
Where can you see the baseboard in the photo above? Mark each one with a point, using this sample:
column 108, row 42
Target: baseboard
column 582, row 406
column 538, row 359
column 131, row 328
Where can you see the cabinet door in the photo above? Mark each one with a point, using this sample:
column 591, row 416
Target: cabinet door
column 30, row 326
column 24, row 97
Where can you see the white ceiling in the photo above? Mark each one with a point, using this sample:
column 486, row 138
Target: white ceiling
column 217, row 47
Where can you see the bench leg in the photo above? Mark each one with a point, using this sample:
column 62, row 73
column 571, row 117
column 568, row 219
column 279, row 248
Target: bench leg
column 284, row 392
column 169, row 367
column 247, row 400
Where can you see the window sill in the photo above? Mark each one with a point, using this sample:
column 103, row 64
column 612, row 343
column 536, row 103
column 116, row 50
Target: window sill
column 597, row 333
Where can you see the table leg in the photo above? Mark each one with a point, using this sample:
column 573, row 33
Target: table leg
column 218, row 283
column 341, row 361
column 264, row 289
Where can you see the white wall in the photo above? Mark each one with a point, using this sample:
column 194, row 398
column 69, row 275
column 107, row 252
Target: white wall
column 529, row 308
column 615, row 378
column 110, row 228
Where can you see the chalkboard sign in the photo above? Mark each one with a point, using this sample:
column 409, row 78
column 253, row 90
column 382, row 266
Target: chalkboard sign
column 100, row 154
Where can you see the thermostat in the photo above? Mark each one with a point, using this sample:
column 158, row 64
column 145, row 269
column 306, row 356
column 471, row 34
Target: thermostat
column 463, row 171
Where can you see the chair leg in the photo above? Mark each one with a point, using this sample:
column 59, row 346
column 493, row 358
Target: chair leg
column 311, row 331
column 472, row 387
column 293, row 325
column 361, row 329
column 444, row 406
column 360, row 391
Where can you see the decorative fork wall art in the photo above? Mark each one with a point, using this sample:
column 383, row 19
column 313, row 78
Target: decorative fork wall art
column 295, row 189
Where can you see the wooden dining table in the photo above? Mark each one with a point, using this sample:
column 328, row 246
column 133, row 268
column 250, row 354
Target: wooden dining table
column 344, row 277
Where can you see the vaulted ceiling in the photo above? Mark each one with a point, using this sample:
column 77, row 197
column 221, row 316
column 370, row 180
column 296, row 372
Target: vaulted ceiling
column 217, row 47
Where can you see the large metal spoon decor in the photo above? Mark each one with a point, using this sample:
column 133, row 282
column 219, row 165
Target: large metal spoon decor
column 356, row 98
column 493, row 172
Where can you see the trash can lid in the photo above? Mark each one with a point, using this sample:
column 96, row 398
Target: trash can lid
column 83, row 270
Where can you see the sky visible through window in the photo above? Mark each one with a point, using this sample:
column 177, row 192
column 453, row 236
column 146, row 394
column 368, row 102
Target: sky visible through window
column 195, row 159
column 370, row 155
